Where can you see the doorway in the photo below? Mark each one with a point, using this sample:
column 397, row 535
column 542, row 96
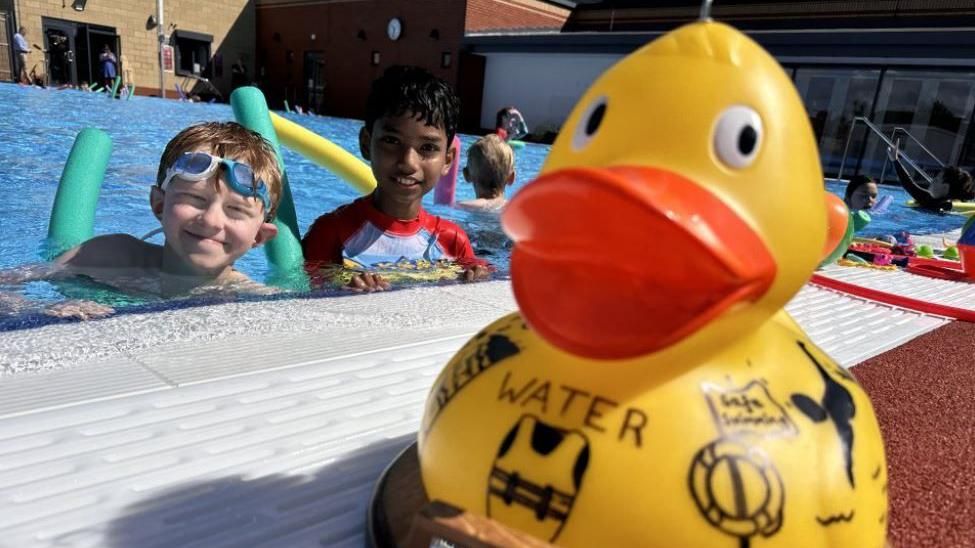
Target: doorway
column 314, row 80
column 72, row 51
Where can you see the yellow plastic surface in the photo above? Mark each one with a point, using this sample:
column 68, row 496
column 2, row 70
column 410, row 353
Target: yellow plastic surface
column 325, row 153
column 741, row 433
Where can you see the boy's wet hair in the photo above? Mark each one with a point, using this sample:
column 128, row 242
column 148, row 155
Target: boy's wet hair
column 856, row 182
column 490, row 161
column 403, row 89
column 228, row 140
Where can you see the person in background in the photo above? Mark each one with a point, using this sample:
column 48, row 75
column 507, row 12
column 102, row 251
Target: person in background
column 861, row 193
column 951, row 184
column 22, row 50
column 238, row 73
column 109, row 67
column 490, row 168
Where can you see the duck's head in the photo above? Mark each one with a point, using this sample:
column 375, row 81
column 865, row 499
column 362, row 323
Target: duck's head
column 681, row 204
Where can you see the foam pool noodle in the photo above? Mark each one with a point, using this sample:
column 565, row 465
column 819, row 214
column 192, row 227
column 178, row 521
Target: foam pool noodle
column 882, row 205
column 860, row 219
column 446, row 187
column 284, row 251
column 73, row 214
column 115, row 85
column 325, row 153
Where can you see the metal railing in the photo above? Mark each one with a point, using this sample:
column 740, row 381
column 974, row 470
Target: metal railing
column 893, row 137
column 890, row 143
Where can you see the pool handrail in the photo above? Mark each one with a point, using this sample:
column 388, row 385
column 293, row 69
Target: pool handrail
column 870, row 126
column 893, row 137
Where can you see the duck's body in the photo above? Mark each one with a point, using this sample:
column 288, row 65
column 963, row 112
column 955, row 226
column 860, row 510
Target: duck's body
column 751, row 443
column 652, row 391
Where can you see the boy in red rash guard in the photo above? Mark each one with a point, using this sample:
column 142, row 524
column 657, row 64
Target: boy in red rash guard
column 411, row 117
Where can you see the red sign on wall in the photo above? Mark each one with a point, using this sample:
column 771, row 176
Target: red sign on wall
column 167, row 58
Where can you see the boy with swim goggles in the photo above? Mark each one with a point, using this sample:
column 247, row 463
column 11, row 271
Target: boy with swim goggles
column 199, row 166
column 207, row 227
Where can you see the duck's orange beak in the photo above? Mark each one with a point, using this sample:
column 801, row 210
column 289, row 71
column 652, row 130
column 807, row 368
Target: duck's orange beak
column 618, row 262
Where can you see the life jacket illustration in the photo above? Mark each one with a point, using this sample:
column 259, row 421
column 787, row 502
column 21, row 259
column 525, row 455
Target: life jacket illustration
column 536, row 477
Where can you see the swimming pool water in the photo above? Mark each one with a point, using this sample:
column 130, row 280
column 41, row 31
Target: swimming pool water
column 38, row 127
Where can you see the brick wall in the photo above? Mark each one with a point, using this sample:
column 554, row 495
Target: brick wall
column 346, row 32
column 230, row 22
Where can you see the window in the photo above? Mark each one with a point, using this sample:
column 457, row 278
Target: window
column 192, row 52
column 833, row 98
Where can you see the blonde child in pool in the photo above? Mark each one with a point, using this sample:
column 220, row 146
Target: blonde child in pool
column 217, row 189
column 490, row 168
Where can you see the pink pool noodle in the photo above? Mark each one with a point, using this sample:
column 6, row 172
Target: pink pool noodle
column 443, row 193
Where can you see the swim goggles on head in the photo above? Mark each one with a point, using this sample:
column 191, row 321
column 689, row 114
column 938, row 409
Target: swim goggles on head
column 197, row 166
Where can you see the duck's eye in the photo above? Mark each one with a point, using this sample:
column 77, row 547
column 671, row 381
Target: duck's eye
column 738, row 136
column 592, row 118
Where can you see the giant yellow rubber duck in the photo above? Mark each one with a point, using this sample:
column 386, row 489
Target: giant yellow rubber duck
column 653, row 391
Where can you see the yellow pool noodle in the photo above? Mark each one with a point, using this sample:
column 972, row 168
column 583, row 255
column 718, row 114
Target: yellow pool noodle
column 325, row 153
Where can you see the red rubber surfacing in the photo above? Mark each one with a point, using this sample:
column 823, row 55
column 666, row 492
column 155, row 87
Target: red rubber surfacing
column 924, row 395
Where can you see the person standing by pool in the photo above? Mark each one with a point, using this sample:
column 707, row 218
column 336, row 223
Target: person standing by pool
column 109, row 67
column 411, row 118
column 238, row 73
column 22, row 50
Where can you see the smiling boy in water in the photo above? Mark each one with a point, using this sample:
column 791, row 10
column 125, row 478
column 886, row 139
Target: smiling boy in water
column 411, row 116
column 216, row 192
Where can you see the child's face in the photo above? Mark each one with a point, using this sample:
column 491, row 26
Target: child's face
column 207, row 225
column 408, row 158
column 864, row 197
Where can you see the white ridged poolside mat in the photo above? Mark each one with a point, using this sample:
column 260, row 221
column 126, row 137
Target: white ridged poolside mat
column 269, row 439
column 905, row 284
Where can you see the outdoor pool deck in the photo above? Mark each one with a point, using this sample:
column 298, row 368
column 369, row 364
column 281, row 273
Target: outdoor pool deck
column 170, row 434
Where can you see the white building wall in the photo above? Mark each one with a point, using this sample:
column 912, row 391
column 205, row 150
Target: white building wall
column 543, row 86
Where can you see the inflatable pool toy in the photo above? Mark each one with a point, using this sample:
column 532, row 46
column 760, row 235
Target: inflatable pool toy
column 951, row 270
column 515, row 144
column 284, row 251
column 966, row 209
column 73, row 213
column 320, row 150
column 446, row 187
column 839, row 216
column 635, row 401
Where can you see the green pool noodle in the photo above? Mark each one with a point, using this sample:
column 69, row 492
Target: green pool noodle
column 860, row 220
column 283, row 251
column 118, row 80
column 844, row 244
column 131, row 92
column 286, row 107
column 73, row 214
column 95, row 88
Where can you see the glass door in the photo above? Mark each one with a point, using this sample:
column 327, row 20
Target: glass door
column 833, row 98
column 314, row 80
